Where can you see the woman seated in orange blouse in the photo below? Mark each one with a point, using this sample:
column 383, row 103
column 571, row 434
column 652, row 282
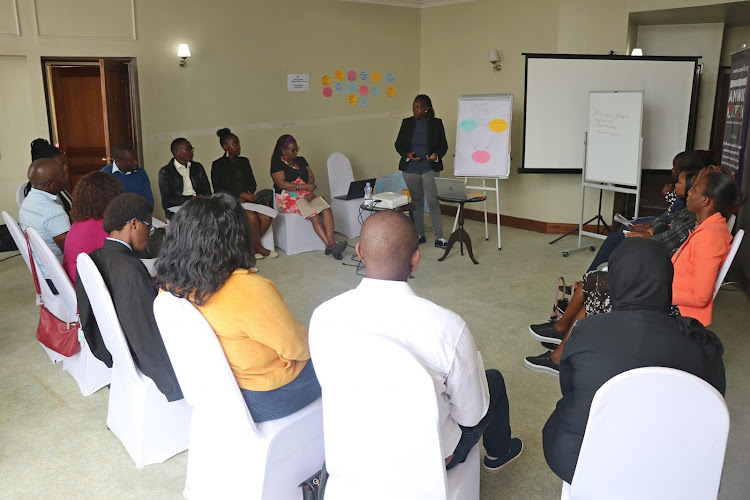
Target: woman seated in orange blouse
column 205, row 259
column 697, row 262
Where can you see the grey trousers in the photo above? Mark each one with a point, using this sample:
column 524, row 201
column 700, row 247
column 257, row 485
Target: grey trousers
column 421, row 186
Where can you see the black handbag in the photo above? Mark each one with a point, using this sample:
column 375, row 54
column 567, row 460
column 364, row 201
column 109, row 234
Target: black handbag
column 313, row 488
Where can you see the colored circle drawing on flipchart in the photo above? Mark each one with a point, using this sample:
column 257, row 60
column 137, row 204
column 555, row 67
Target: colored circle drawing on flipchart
column 374, row 91
column 376, row 76
column 352, row 99
column 351, row 75
column 364, row 76
column 338, row 74
column 390, row 91
column 351, row 87
column 339, row 88
column 389, row 77
column 327, row 92
column 481, row 156
column 468, row 124
column 325, row 80
column 363, row 101
column 364, row 90
column 498, row 125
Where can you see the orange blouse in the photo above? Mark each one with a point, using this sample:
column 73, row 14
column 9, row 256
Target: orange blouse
column 696, row 267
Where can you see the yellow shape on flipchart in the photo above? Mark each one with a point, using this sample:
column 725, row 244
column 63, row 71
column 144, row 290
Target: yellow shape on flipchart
column 498, row 125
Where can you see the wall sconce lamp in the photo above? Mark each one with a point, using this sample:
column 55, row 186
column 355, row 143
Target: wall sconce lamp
column 637, row 52
column 183, row 52
column 494, row 58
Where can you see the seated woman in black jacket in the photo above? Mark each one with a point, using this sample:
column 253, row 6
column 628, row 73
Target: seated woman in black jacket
column 232, row 174
column 638, row 332
column 172, row 186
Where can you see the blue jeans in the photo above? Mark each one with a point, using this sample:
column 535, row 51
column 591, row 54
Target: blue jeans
column 287, row 399
column 495, row 426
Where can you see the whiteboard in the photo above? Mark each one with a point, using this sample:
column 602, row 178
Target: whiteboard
column 556, row 104
column 483, row 136
column 613, row 141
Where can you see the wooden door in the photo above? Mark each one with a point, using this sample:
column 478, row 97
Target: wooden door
column 79, row 119
column 117, row 104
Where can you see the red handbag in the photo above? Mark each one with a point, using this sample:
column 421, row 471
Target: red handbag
column 52, row 332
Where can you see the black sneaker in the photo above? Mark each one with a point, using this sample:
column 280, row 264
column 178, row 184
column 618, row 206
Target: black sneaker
column 422, row 239
column 549, row 345
column 441, row 243
column 542, row 363
column 546, row 332
column 496, row 464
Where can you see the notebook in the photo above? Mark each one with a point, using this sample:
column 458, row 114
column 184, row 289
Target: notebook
column 356, row 190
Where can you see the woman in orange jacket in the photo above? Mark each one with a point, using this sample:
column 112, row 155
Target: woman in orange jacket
column 698, row 260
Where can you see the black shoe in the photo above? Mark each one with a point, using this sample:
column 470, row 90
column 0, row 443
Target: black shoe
column 546, row 332
column 441, row 243
column 422, row 239
column 336, row 248
column 495, row 464
column 549, row 345
column 567, row 290
column 542, row 363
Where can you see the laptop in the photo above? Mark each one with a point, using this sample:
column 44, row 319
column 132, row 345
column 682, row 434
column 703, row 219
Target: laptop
column 356, row 190
column 452, row 188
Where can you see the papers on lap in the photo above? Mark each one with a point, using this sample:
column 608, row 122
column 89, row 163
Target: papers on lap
column 261, row 209
column 309, row 208
column 622, row 220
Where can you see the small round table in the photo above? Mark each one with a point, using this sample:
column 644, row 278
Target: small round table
column 460, row 235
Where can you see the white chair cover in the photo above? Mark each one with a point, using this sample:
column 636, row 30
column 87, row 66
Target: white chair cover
column 736, row 241
column 346, row 213
column 89, row 373
column 231, row 457
column 730, row 222
column 17, row 235
column 294, row 234
column 382, row 425
column 151, row 428
column 19, row 194
column 653, row 433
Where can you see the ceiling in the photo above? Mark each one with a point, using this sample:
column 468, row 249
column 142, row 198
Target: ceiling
column 731, row 14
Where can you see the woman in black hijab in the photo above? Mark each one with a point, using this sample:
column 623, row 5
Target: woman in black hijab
column 638, row 332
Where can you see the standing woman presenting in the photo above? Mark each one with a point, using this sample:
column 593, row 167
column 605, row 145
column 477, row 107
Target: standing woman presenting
column 421, row 143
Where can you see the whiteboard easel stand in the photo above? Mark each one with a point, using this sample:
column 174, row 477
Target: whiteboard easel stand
column 636, row 190
column 485, row 188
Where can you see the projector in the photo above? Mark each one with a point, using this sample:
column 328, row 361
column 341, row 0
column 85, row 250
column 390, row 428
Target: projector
column 389, row 200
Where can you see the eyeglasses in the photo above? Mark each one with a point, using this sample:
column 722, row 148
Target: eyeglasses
column 151, row 228
column 184, row 149
column 293, row 150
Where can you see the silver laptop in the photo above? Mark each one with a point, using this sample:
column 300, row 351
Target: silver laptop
column 451, row 188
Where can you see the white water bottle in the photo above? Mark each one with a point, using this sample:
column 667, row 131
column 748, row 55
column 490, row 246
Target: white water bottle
column 368, row 195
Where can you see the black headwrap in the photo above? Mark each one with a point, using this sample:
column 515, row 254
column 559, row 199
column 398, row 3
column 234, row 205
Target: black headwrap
column 640, row 276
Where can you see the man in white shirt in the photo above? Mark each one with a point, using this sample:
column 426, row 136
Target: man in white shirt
column 471, row 403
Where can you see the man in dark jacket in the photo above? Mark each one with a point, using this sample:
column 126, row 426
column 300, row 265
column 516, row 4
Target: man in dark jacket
column 638, row 332
column 182, row 178
column 128, row 222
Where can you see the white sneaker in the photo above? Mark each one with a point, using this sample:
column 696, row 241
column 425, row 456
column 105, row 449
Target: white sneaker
column 441, row 243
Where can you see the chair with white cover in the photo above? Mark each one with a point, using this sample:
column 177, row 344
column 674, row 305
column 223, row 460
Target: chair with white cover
column 294, row 234
column 652, row 433
column 730, row 222
column 230, row 456
column 150, row 428
column 346, row 213
column 384, row 420
column 736, row 241
column 19, row 194
column 17, row 235
column 89, row 372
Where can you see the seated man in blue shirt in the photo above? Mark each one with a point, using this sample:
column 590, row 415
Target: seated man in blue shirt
column 42, row 210
column 125, row 168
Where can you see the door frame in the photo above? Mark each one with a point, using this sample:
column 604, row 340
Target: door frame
column 49, row 62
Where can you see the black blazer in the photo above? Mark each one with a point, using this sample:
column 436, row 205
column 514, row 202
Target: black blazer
column 435, row 135
column 170, row 185
column 133, row 295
